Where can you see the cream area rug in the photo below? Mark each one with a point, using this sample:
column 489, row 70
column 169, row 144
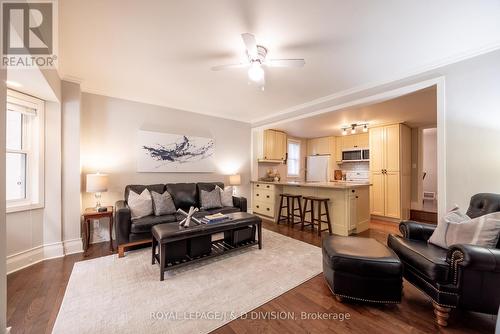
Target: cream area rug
column 112, row 295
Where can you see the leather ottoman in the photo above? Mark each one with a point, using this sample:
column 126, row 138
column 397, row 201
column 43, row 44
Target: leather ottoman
column 362, row 269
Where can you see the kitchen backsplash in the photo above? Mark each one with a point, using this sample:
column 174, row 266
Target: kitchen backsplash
column 355, row 166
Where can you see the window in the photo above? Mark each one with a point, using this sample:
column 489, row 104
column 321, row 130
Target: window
column 293, row 161
column 24, row 149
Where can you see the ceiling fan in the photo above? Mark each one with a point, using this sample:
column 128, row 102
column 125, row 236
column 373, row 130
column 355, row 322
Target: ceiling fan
column 257, row 60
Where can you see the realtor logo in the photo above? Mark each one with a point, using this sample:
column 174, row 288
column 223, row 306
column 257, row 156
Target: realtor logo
column 28, row 34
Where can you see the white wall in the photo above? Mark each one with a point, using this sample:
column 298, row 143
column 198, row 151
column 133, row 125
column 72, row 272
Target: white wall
column 3, row 287
column 71, row 167
column 429, row 159
column 109, row 128
column 472, row 128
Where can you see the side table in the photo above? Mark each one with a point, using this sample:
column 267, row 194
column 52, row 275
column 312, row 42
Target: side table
column 88, row 215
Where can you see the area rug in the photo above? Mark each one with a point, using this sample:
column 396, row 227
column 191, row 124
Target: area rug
column 112, row 295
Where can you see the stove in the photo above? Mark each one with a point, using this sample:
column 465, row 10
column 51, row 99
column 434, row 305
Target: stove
column 357, row 176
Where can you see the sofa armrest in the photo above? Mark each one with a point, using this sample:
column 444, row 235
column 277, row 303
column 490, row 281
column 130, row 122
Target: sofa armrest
column 474, row 257
column 241, row 203
column 416, row 231
column 122, row 222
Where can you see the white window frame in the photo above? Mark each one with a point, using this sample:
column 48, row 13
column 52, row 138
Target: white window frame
column 293, row 141
column 34, row 137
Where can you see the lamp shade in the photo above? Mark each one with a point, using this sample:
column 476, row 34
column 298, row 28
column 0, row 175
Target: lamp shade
column 97, row 183
column 235, row 180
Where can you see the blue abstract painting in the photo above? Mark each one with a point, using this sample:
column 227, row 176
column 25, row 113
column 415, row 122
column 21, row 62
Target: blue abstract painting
column 165, row 152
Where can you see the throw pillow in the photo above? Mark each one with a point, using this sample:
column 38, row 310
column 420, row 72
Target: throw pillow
column 140, row 205
column 163, row 204
column 210, row 199
column 438, row 237
column 481, row 231
column 226, row 195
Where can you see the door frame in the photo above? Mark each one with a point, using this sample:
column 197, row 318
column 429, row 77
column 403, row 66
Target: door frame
column 438, row 81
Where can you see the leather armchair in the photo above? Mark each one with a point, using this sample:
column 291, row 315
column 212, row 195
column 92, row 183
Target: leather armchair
column 464, row 276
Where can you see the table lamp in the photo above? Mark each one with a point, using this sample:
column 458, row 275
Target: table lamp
column 234, row 180
column 97, row 184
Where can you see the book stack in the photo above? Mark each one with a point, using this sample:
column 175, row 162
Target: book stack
column 216, row 218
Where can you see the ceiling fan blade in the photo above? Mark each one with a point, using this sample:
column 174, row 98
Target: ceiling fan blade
column 285, row 62
column 229, row 67
column 250, row 44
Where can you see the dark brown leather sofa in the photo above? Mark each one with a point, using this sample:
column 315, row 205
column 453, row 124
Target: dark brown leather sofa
column 465, row 276
column 185, row 195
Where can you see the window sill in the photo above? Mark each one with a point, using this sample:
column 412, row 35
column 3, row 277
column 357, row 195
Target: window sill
column 11, row 208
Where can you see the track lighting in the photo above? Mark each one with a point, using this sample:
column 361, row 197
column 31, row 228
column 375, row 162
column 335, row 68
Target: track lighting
column 353, row 128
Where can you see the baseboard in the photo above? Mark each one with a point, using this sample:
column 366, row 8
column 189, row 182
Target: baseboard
column 73, row 246
column 386, row 219
column 41, row 253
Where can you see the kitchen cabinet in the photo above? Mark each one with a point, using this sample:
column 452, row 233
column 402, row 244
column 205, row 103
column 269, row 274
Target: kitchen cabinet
column 274, row 145
column 322, row 145
column 265, row 199
column 390, row 169
column 339, row 142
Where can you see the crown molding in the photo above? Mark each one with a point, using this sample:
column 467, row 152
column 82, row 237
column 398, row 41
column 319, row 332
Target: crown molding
column 303, row 107
column 209, row 114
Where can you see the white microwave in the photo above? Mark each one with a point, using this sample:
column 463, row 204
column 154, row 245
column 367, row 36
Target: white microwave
column 356, row 154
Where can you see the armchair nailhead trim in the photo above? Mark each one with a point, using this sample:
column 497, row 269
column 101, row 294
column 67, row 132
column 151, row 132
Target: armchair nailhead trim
column 456, row 257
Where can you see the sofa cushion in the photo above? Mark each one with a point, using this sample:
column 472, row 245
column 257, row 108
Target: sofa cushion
column 426, row 259
column 139, row 188
column 163, row 204
column 141, row 205
column 226, row 195
column 184, row 194
column 143, row 225
column 210, row 199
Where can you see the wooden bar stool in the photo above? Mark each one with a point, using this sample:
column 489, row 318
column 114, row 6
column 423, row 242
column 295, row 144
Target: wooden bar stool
column 291, row 209
column 316, row 219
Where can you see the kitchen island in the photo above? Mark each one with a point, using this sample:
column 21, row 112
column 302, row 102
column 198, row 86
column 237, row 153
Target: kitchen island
column 349, row 203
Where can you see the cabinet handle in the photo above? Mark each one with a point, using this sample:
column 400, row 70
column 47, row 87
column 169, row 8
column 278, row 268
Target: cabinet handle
column 257, row 206
column 267, row 186
column 353, row 191
column 267, row 196
column 257, row 195
column 258, row 185
column 268, row 209
column 357, row 196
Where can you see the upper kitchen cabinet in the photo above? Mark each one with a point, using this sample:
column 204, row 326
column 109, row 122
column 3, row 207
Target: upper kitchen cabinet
column 274, row 146
column 322, row 145
column 355, row 141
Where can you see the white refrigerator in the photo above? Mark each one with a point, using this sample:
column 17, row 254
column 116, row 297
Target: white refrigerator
column 317, row 168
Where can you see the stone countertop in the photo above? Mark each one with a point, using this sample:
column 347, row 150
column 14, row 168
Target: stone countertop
column 332, row 185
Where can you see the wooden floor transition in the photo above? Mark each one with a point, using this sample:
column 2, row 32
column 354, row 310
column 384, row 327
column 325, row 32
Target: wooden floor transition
column 35, row 294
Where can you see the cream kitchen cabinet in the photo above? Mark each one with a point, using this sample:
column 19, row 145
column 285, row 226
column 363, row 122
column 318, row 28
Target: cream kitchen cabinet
column 265, row 199
column 390, row 169
column 274, row 145
column 322, row 145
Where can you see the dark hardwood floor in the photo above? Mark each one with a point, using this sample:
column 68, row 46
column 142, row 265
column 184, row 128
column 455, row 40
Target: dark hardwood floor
column 35, row 295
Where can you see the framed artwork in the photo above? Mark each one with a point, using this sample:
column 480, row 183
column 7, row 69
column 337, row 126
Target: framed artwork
column 165, row 152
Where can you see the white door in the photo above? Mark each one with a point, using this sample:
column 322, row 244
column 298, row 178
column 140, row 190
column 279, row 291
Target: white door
column 317, row 168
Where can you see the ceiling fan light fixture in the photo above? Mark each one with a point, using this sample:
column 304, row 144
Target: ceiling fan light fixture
column 255, row 72
column 344, row 132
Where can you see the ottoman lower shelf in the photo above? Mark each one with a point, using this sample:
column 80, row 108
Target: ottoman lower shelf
column 219, row 247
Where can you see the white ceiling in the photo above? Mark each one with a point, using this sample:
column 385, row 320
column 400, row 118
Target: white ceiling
column 418, row 109
column 160, row 52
